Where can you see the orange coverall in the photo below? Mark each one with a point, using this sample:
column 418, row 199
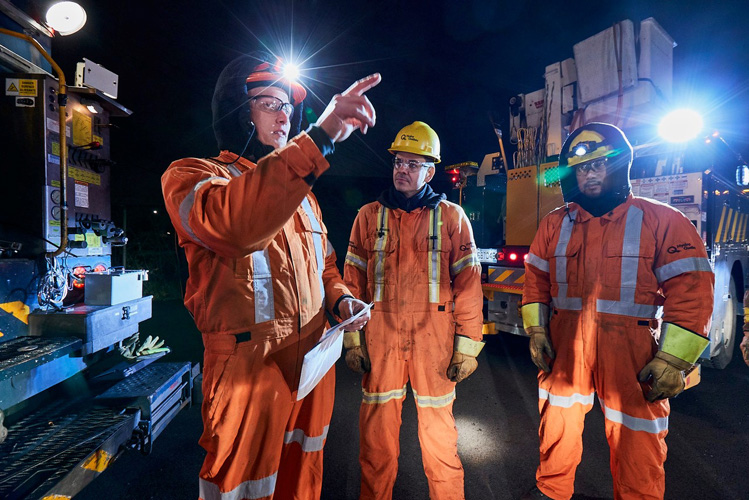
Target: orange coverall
column 426, row 291
column 262, row 274
column 607, row 277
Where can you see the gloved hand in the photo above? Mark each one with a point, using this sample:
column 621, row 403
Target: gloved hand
column 461, row 366
column 668, row 376
column 357, row 357
column 744, row 346
column 540, row 344
column 131, row 350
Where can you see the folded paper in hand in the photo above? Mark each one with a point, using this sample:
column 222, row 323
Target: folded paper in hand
column 323, row 356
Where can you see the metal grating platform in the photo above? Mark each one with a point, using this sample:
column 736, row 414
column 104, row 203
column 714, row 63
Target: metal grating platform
column 57, row 451
column 159, row 391
column 23, row 353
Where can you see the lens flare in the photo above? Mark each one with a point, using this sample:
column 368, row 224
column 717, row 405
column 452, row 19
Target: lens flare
column 681, row 125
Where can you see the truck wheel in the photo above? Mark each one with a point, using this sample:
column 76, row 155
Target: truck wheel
column 730, row 324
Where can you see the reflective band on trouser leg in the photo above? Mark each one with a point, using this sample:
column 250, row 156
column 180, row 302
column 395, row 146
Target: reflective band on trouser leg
column 566, row 401
column 258, row 488
column 379, row 270
column 308, row 443
column 682, row 343
column 626, row 306
column 435, row 239
column 434, row 401
column 262, row 281
column 382, row 397
column 653, row 426
column 317, row 241
column 561, row 301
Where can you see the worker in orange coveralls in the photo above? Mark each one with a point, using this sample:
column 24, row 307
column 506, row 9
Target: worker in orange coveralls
column 412, row 253
column 262, row 274
column 744, row 346
column 599, row 271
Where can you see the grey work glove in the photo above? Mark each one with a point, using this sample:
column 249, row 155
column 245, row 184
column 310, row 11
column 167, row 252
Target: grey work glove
column 461, row 366
column 357, row 357
column 667, row 372
column 540, row 344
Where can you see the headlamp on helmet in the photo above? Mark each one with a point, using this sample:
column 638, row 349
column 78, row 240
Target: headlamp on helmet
column 276, row 74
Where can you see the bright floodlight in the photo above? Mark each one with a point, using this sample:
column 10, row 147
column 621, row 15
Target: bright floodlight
column 291, row 71
column 66, row 17
column 680, row 126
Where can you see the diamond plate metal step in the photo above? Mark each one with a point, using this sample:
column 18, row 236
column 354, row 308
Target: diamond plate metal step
column 59, row 450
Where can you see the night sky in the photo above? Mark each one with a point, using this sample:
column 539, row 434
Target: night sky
column 452, row 64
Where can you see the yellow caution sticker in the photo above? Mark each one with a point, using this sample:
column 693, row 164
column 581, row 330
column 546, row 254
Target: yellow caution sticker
column 92, row 240
column 56, row 497
column 21, row 87
column 18, row 309
column 86, row 176
column 99, row 461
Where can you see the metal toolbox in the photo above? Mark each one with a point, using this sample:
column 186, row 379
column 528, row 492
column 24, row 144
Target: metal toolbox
column 98, row 326
column 114, row 287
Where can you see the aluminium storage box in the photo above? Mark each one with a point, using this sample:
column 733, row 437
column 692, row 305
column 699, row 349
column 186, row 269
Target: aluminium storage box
column 113, row 287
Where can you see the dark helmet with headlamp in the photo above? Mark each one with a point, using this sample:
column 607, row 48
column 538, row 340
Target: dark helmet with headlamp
column 232, row 124
column 590, row 144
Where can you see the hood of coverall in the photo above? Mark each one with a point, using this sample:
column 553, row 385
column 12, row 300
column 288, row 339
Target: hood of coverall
column 232, row 125
column 590, row 142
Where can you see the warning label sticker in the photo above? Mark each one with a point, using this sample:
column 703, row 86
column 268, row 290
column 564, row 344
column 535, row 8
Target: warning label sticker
column 20, row 87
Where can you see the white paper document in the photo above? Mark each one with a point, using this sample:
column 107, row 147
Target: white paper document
column 323, row 356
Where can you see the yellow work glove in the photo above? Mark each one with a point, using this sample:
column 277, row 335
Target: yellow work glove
column 668, row 376
column 357, row 357
column 130, row 349
column 461, row 366
column 540, row 344
column 744, row 346
column 463, row 362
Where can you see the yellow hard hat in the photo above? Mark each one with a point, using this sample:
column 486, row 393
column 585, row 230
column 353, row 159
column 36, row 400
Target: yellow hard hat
column 593, row 141
column 419, row 139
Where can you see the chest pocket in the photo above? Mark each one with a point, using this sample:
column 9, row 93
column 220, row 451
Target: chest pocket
column 625, row 264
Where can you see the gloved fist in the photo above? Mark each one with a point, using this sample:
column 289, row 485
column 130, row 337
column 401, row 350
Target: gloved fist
column 461, row 366
column 744, row 346
column 667, row 372
column 540, row 344
column 357, row 359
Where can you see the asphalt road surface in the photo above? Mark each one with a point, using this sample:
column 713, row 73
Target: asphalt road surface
column 497, row 417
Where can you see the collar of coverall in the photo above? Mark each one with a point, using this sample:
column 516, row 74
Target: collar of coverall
column 618, row 212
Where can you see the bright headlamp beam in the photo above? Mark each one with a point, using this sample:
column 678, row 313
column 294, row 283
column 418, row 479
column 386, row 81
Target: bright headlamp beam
column 291, row 72
column 681, row 125
column 66, row 17
column 580, row 150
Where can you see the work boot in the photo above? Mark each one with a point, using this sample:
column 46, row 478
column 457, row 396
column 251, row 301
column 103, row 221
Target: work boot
column 535, row 494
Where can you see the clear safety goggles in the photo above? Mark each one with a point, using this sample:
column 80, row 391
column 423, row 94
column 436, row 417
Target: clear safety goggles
column 596, row 166
column 270, row 104
column 410, row 165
